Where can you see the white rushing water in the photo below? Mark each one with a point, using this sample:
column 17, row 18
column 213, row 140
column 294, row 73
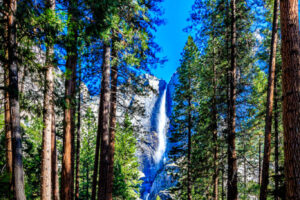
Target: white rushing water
column 161, row 128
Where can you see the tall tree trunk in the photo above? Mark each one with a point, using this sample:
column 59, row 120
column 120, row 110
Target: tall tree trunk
column 269, row 108
column 8, row 136
column 47, row 129
column 276, row 143
column 78, row 138
column 104, row 126
column 232, row 159
column 73, row 113
column 189, row 150
column 215, row 132
column 245, row 173
column 112, row 130
column 291, row 95
column 87, row 172
column 47, row 119
column 67, row 178
column 259, row 161
column 18, row 174
column 222, row 177
column 54, row 165
column 97, row 150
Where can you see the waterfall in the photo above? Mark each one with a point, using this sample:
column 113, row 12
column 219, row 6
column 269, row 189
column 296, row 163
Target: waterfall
column 162, row 121
column 157, row 144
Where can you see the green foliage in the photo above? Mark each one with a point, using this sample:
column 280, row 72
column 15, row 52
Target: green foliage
column 185, row 102
column 32, row 141
column 87, row 153
column 126, row 173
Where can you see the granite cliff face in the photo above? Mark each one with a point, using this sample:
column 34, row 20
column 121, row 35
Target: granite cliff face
column 163, row 180
column 153, row 134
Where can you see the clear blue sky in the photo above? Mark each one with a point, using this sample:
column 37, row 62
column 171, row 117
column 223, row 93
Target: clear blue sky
column 171, row 37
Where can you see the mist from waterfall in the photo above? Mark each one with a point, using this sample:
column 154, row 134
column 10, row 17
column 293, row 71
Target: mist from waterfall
column 162, row 121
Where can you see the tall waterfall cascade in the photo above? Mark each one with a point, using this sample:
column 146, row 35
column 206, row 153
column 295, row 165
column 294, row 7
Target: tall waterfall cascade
column 153, row 146
column 162, row 121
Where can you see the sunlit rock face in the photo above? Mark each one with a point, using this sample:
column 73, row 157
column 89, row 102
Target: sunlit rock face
column 154, row 158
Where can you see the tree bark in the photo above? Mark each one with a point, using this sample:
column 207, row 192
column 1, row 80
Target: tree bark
column 112, row 130
column 259, row 161
column 245, row 172
column 54, row 166
column 232, row 159
column 291, row 95
column 8, row 136
column 104, row 126
column 18, row 174
column 78, row 139
column 215, row 132
column 47, row 119
column 97, row 150
column 269, row 107
column 276, row 143
column 189, row 150
column 47, row 129
column 87, row 172
column 67, row 176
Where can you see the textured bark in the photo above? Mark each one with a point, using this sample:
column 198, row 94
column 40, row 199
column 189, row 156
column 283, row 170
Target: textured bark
column 87, row 172
column 112, row 130
column 73, row 124
column 8, row 138
column 215, row 132
column 104, row 126
column 78, row 139
column 189, row 150
column 245, row 173
column 232, row 159
column 269, row 107
column 97, row 150
column 47, row 129
column 259, row 162
column 18, row 175
column 223, row 179
column 67, row 178
column 46, row 169
column 54, row 166
column 291, row 95
column 276, row 143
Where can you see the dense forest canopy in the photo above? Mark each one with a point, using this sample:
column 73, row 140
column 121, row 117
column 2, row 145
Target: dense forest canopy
column 84, row 117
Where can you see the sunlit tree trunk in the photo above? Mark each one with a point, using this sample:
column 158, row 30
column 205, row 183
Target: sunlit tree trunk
column 269, row 107
column 232, row 158
column 291, row 95
column 112, row 130
column 47, row 119
column 276, row 143
column 104, row 126
column 78, row 138
column 67, row 176
column 8, row 136
column 47, row 129
column 54, row 165
column 18, row 175
column 97, row 150
column 215, row 132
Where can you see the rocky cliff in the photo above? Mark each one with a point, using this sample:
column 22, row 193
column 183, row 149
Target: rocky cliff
column 153, row 134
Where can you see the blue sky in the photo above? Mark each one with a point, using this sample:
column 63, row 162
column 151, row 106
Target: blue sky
column 171, row 37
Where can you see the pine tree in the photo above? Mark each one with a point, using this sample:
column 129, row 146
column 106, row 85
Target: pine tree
column 183, row 119
column 290, row 82
column 269, row 107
